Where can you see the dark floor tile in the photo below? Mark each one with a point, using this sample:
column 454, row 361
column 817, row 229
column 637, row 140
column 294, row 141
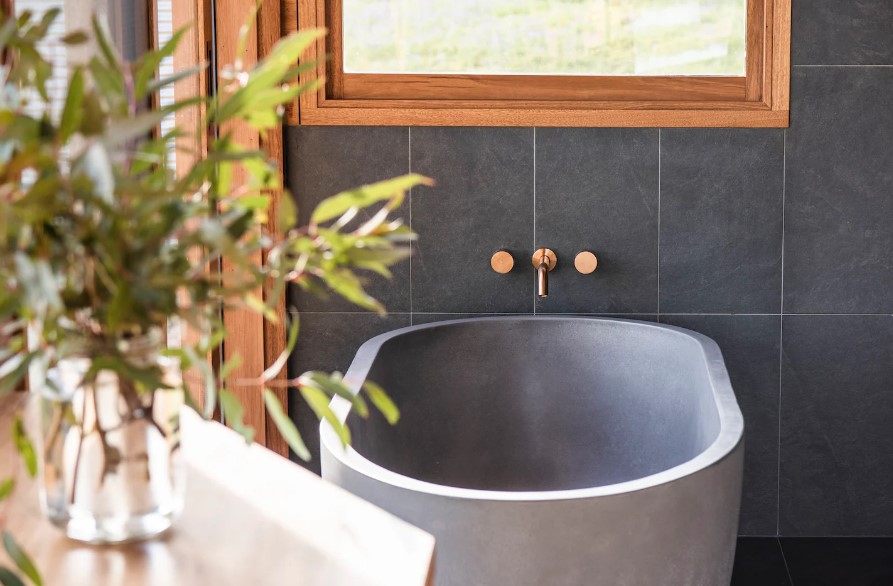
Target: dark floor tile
column 721, row 220
column 759, row 562
column 829, row 561
column 835, row 32
column 483, row 202
column 328, row 342
column 596, row 189
column 836, row 431
column 838, row 233
column 750, row 348
column 321, row 161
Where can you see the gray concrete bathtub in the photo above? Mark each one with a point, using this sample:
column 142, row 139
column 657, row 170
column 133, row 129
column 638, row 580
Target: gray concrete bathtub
column 552, row 451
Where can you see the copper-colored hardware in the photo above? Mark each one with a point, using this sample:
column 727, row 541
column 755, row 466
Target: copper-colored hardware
column 502, row 261
column 544, row 260
column 585, row 262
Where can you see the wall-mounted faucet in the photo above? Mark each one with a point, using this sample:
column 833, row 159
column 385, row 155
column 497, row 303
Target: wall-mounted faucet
column 544, row 260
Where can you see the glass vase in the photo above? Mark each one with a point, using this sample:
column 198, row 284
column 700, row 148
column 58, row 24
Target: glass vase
column 110, row 468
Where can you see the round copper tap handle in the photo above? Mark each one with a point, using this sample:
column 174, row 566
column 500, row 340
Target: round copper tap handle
column 585, row 262
column 502, row 262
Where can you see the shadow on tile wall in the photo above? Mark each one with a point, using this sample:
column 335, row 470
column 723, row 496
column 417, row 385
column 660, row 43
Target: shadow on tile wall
column 777, row 243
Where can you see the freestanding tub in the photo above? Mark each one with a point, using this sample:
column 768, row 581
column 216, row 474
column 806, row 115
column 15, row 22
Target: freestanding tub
column 551, row 451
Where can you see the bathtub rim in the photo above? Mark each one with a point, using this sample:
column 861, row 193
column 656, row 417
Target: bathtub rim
column 729, row 438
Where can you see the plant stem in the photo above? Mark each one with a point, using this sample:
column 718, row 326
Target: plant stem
column 77, row 455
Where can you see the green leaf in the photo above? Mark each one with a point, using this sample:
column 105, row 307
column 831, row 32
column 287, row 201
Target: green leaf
column 147, row 66
column 6, row 488
column 262, row 119
column 72, row 112
column 287, row 214
column 272, row 71
column 382, row 401
column 333, row 386
column 281, row 360
column 254, row 202
column 157, row 84
column 255, row 303
column 348, row 285
column 13, row 371
column 75, row 38
column 138, row 126
column 234, row 415
column 285, row 425
column 108, row 82
column 24, row 446
column 208, row 378
column 364, row 196
column 21, row 559
column 319, row 403
column 101, row 34
column 8, row 578
column 230, row 365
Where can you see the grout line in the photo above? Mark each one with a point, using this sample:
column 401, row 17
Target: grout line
column 876, row 65
column 671, row 313
column 785, row 560
column 534, row 213
column 784, row 181
column 572, row 313
column 414, row 247
column 357, row 312
column 658, row 221
column 802, row 537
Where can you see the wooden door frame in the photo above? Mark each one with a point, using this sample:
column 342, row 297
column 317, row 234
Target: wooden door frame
column 256, row 340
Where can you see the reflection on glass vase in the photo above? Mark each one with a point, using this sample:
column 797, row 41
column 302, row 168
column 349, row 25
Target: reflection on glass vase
column 110, row 469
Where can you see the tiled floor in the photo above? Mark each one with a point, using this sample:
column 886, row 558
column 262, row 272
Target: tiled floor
column 814, row 561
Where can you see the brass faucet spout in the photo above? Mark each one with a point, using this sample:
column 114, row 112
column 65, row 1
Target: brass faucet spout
column 542, row 280
column 544, row 260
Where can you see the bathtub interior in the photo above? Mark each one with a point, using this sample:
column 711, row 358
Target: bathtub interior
column 535, row 405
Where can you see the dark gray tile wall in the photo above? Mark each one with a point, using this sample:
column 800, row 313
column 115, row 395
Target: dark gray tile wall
column 837, row 440
column 597, row 189
column 776, row 243
column 483, row 200
column 721, row 220
column 839, row 200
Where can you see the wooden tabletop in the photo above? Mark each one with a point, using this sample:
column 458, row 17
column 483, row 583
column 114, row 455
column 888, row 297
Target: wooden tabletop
column 251, row 517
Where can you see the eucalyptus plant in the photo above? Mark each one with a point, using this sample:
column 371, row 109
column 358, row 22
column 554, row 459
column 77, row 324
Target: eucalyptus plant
column 101, row 241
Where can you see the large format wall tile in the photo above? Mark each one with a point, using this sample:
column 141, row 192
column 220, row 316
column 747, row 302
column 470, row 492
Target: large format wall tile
column 750, row 347
column 721, row 220
column 483, row 202
column 836, row 431
column 424, row 318
column 596, row 189
column 842, row 32
column 328, row 342
column 325, row 160
column 839, row 194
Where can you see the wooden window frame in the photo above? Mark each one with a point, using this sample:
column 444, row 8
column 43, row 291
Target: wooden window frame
column 758, row 99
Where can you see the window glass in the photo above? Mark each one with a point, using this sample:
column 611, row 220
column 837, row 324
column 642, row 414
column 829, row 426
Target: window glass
column 576, row 37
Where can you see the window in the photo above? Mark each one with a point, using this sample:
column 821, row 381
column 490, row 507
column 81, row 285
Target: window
column 550, row 62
